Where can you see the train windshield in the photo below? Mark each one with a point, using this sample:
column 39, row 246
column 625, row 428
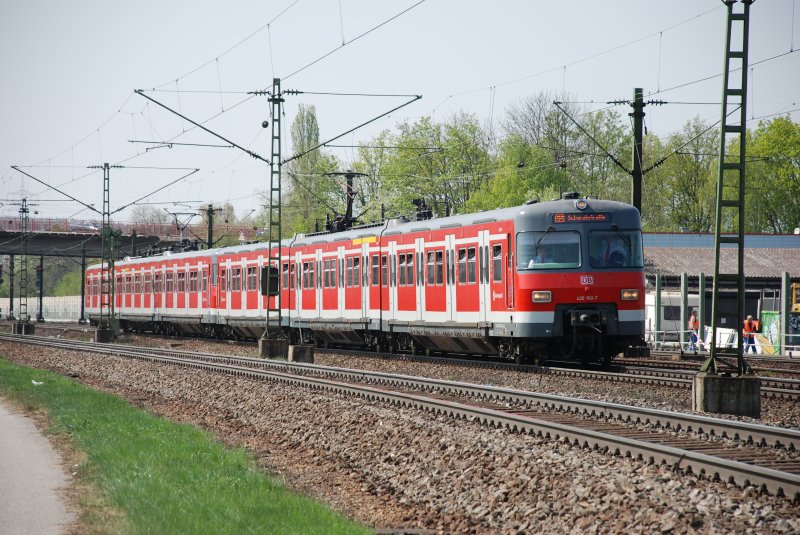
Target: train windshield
column 615, row 248
column 548, row 250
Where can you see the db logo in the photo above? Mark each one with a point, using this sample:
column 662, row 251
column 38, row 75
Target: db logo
column 587, row 279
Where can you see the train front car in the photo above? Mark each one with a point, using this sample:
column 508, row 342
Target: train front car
column 580, row 279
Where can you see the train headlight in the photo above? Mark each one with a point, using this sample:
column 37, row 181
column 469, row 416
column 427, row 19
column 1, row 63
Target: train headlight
column 541, row 296
column 629, row 295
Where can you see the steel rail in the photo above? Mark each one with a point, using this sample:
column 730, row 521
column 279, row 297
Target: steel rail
column 748, row 432
column 775, row 481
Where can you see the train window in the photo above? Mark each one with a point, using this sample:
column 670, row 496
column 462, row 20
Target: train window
column 462, row 266
column 252, row 278
column 192, row 281
column 236, row 279
column 497, row 263
column 357, row 271
column 330, row 273
column 410, row 269
column 375, row 267
column 223, row 279
column 285, row 276
column 384, row 263
column 157, row 283
column 672, row 313
column 615, row 248
column 305, row 275
column 471, row 266
column 439, row 268
column 548, row 250
column 350, row 272
column 168, row 282
column 181, row 282
column 311, row 278
column 148, row 283
column 401, row 262
column 291, row 276
column 431, row 268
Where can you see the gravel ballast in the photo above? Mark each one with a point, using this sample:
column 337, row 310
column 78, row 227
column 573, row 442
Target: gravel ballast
column 405, row 468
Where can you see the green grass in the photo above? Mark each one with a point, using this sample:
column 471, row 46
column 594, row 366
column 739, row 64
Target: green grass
column 160, row 476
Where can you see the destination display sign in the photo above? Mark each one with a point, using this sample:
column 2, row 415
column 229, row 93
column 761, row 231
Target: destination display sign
column 595, row 217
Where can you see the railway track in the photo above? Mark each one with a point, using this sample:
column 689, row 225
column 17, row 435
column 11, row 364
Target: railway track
column 641, row 433
column 633, row 371
column 695, row 365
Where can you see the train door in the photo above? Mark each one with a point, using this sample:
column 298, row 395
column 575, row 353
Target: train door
column 147, row 288
column 435, row 290
column 213, row 287
column 374, row 282
column 308, row 285
column 222, row 286
column 180, row 287
column 484, row 275
column 392, row 281
column 317, row 287
column 297, row 280
column 364, row 288
column 332, row 288
column 158, row 288
column 202, row 286
column 405, row 284
column 351, row 284
column 465, row 280
column 498, row 278
column 419, row 271
column 449, row 279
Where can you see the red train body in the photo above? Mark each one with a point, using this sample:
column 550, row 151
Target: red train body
column 559, row 279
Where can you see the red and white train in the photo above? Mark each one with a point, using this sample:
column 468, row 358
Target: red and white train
column 561, row 279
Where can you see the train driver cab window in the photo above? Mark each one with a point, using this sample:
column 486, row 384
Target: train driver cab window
column 615, row 248
column 548, row 250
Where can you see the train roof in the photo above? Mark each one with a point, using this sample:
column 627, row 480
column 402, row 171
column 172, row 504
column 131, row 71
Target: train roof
column 525, row 216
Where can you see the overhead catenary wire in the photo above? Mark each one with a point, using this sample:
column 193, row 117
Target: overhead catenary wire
column 385, row 22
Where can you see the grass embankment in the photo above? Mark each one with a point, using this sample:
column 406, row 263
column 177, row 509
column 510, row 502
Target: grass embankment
column 162, row 477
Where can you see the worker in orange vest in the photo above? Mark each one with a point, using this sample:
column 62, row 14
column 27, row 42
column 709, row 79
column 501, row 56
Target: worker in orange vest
column 749, row 329
column 694, row 326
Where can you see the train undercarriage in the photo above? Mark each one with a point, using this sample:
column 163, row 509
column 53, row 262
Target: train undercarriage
column 580, row 336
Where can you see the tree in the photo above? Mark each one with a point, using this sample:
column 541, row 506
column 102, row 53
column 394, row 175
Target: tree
column 148, row 215
column 309, row 193
column 524, row 172
column 773, row 177
column 690, row 177
column 442, row 163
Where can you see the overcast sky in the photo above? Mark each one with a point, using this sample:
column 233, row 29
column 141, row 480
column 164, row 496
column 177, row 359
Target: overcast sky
column 69, row 71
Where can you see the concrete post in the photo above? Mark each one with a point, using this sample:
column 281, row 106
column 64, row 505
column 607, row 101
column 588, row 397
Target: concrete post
column 786, row 309
column 684, row 306
column 657, row 303
column 701, row 313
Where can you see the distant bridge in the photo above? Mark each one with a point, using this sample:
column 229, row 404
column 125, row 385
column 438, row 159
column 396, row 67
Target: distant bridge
column 80, row 237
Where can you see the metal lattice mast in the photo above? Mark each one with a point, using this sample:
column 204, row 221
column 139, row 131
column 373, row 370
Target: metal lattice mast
column 730, row 207
column 274, row 224
column 23, row 264
column 107, row 246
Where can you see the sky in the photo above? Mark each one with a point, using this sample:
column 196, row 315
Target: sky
column 70, row 69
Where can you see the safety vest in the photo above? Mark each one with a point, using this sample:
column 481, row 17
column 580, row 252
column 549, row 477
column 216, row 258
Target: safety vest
column 694, row 324
column 749, row 327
